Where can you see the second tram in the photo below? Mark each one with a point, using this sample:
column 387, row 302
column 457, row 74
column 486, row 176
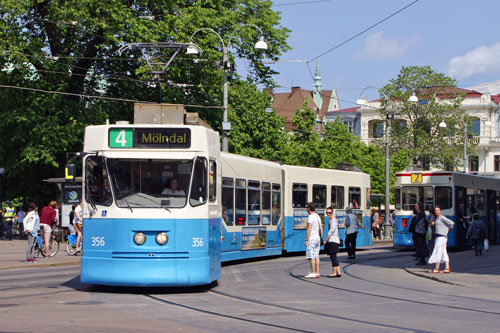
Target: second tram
column 458, row 194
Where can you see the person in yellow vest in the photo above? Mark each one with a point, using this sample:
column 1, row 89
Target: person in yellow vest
column 8, row 218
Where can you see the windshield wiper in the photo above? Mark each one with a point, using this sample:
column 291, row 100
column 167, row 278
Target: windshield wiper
column 156, row 204
column 120, row 194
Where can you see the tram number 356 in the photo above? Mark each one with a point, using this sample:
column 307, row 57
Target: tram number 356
column 98, row 241
column 197, row 242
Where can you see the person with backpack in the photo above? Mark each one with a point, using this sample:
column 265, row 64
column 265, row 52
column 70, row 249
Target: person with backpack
column 477, row 233
column 420, row 224
column 351, row 230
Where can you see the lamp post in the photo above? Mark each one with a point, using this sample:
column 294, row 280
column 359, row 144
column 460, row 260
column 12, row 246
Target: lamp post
column 389, row 116
column 442, row 124
column 260, row 45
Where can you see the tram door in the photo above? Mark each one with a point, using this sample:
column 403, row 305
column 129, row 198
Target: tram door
column 460, row 211
column 492, row 213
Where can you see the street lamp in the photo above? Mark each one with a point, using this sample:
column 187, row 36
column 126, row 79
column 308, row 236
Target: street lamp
column 442, row 124
column 389, row 116
column 260, row 45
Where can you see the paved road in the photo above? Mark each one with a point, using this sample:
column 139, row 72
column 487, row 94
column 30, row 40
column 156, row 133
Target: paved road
column 381, row 291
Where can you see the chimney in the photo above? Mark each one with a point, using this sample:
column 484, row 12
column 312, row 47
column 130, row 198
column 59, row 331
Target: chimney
column 295, row 89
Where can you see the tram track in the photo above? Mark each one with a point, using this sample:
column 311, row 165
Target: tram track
column 345, row 269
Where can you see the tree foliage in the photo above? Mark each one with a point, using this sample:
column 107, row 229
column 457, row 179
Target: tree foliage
column 420, row 136
column 71, row 47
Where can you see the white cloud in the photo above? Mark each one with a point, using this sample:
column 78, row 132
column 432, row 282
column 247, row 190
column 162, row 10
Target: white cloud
column 378, row 47
column 484, row 59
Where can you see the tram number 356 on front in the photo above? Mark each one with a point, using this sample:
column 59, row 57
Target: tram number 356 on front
column 197, row 242
column 98, row 241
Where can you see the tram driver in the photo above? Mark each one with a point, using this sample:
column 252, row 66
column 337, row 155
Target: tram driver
column 173, row 190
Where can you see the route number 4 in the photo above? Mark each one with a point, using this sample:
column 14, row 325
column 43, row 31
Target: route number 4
column 120, row 138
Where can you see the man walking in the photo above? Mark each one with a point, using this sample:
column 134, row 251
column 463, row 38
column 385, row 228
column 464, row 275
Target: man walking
column 313, row 241
column 351, row 231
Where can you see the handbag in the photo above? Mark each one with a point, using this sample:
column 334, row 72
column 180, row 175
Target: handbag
column 327, row 248
column 341, row 242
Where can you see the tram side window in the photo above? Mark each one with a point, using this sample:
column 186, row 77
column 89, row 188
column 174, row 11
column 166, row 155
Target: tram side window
column 253, row 202
column 354, row 197
column 470, row 201
column 212, row 181
column 319, row 196
column 397, row 198
column 299, row 196
column 266, row 203
column 97, row 187
column 480, row 206
column 241, row 201
column 443, row 196
column 276, row 203
column 337, row 197
column 198, row 194
column 228, row 200
column 413, row 194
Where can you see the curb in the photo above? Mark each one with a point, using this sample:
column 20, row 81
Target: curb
column 434, row 278
column 37, row 265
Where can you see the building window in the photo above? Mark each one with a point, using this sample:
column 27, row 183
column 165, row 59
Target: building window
column 497, row 162
column 475, row 128
column 350, row 126
column 473, row 163
column 376, row 129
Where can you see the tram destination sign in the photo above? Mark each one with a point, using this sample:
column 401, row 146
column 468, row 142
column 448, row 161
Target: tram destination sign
column 152, row 138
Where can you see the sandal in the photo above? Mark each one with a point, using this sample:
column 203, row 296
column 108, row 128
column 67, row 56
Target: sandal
column 434, row 271
column 446, row 271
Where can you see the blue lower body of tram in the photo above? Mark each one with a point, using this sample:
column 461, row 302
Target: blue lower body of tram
column 190, row 257
column 294, row 238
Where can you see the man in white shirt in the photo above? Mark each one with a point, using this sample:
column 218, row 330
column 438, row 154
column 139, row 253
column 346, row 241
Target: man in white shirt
column 313, row 241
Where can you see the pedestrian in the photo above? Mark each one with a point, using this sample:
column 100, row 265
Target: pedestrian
column 8, row 219
column 333, row 242
column 21, row 214
column 460, row 226
column 313, row 241
column 375, row 215
column 431, row 230
column 439, row 255
column 420, row 230
column 71, row 228
column 477, row 233
column 412, row 230
column 392, row 219
column 1, row 222
column 31, row 224
column 351, row 231
column 47, row 220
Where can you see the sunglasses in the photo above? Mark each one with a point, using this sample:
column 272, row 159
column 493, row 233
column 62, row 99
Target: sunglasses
column 329, row 213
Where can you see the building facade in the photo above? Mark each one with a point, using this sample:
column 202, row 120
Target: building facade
column 319, row 101
column 483, row 114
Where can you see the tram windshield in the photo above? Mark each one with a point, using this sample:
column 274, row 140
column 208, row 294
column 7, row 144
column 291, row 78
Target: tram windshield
column 150, row 183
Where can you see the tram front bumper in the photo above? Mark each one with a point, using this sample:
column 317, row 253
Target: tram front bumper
column 146, row 272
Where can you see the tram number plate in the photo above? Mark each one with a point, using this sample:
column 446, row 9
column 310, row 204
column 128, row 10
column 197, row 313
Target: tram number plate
column 416, row 178
column 197, row 242
column 98, row 241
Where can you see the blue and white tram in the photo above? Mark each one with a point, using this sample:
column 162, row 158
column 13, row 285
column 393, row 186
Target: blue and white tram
column 458, row 194
column 324, row 187
column 164, row 207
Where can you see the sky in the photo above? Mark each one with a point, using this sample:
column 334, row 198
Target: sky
column 460, row 38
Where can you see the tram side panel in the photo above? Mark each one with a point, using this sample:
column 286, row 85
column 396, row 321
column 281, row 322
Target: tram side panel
column 251, row 213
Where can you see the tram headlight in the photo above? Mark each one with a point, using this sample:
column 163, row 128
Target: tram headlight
column 140, row 238
column 162, row 238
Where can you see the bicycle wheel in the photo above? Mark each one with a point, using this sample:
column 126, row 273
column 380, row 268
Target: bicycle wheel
column 70, row 248
column 53, row 247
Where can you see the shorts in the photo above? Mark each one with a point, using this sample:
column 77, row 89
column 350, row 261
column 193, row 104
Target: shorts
column 46, row 228
column 313, row 247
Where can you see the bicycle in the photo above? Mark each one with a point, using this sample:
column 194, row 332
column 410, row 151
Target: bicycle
column 39, row 245
column 71, row 247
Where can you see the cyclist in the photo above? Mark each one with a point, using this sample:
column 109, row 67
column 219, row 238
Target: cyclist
column 78, row 225
column 48, row 218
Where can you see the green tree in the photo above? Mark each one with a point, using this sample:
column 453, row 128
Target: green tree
column 255, row 131
column 419, row 134
column 71, row 47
